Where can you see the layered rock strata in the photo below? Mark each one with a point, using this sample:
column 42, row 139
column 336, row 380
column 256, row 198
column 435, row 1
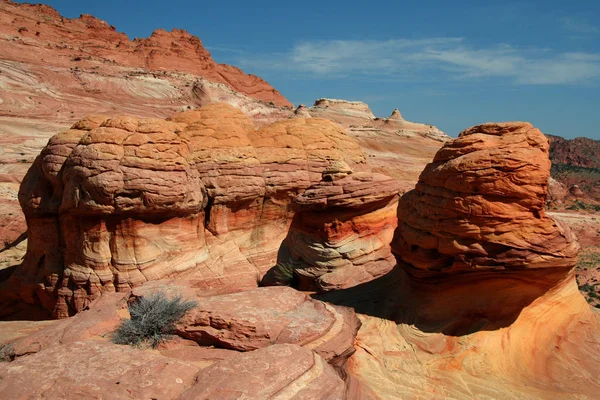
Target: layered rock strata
column 61, row 42
column 262, row 317
column 112, row 203
column 479, row 206
column 483, row 302
column 341, row 231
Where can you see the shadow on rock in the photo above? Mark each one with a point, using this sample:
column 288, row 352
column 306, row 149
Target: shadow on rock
column 454, row 305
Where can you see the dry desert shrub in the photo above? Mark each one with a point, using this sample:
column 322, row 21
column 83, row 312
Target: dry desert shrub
column 153, row 318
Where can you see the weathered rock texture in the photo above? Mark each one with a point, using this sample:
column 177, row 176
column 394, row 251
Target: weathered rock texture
column 277, row 372
column 112, row 203
column 551, row 349
column 63, row 42
column 82, row 369
column 303, row 346
column 262, row 317
column 480, row 206
column 483, row 302
column 341, row 231
column 394, row 146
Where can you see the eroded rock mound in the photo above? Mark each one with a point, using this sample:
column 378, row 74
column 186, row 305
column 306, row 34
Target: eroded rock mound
column 483, row 302
column 112, row 203
column 480, row 206
column 341, row 231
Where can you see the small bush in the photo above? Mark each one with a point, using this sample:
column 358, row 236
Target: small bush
column 7, row 352
column 153, row 318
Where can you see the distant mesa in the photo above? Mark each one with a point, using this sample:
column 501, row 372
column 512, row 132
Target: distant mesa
column 354, row 108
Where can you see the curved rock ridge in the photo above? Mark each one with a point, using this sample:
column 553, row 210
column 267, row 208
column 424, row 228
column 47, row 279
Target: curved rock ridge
column 281, row 371
column 59, row 41
column 480, row 206
column 112, row 203
column 262, row 317
column 441, row 339
column 341, row 231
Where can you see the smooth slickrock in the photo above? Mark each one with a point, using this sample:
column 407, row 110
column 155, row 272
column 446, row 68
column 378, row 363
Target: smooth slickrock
column 480, row 206
column 550, row 348
column 341, row 231
column 97, row 323
column 113, row 203
column 277, row 372
column 263, row 317
column 93, row 369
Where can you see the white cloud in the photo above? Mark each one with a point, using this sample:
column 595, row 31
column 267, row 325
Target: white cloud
column 431, row 59
column 577, row 25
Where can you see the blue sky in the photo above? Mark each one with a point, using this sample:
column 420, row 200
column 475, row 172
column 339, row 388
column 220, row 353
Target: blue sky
column 452, row 64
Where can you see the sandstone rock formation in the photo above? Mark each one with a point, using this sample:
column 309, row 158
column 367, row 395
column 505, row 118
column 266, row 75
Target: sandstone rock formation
column 483, row 302
column 480, row 206
column 81, row 368
column 112, row 203
column 62, row 42
column 263, row 317
column 268, row 373
column 394, row 147
column 396, row 115
column 267, row 319
column 341, row 231
column 302, row 111
column 576, row 191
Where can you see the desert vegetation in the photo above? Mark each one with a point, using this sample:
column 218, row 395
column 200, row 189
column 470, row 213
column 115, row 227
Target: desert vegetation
column 153, row 319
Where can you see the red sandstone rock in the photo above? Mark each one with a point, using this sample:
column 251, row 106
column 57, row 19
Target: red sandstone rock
column 96, row 323
column 483, row 302
column 281, row 371
column 91, row 368
column 480, row 206
column 63, row 42
column 263, row 317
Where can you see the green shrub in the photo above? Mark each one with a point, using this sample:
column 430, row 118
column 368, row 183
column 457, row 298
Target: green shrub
column 152, row 319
